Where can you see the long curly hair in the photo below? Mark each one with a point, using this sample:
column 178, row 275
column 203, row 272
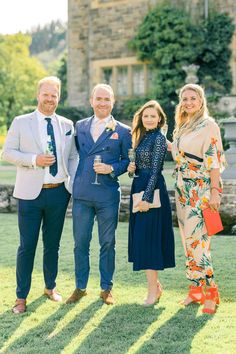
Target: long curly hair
column 139, row 130
column 182, row 123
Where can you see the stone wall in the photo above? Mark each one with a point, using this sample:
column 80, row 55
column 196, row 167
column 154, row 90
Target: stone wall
column 8, row 204
column 97, row 31
column 101, row 29
column 228, row 207
column 227, row 104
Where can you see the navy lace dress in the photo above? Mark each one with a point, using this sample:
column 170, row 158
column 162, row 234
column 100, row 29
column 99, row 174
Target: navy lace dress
column 151, row 237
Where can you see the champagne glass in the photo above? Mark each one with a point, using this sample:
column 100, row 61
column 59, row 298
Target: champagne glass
column 97, row 159
column 132, row 157
column 49, row 148
column 164, row 129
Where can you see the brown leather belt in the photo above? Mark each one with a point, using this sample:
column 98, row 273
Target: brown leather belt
column 51, row 185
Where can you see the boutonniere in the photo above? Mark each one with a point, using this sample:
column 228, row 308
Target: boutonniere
column 110, row 126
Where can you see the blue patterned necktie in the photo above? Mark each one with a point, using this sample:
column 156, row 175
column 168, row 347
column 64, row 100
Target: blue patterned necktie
column 53, row 168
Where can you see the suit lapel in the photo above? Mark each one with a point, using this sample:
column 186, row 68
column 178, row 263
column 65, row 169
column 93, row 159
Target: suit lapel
column 35, row 130
column 96, row 146
column 87, row 128
column 61, row 126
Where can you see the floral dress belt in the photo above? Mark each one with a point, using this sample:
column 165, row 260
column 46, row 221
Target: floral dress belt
column 179, row 171
column 191, row 156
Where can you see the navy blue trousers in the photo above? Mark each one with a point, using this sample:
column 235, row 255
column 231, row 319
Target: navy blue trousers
column 48, row 210
column 84, row 213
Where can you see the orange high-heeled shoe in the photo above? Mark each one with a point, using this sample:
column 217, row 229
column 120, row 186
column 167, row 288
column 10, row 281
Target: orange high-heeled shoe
column 196, row 293
column 212, row 294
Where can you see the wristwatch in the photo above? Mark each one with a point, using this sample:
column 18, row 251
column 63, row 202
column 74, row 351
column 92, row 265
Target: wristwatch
column 112, row 169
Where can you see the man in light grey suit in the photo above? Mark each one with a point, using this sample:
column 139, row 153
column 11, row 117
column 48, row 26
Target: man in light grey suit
column 41, row 145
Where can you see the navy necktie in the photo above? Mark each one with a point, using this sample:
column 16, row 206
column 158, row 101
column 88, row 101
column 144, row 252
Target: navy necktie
column 53, row 168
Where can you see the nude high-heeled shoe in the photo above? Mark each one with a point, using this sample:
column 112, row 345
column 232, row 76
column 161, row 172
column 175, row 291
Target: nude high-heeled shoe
column 159, row 293
column 159, row 290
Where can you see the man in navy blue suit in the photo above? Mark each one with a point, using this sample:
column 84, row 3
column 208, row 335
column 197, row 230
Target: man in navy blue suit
column 100, row 135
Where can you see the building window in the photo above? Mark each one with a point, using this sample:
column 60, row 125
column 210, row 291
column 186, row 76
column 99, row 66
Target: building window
column 107, row 76
column 127, row 76
column 122, row 81
column 138, row 80
column 150, row 77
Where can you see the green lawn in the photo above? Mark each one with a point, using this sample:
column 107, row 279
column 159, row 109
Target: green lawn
column 8, row 175
column 90, row 327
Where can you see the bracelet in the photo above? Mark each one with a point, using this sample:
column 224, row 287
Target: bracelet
column 218, row 189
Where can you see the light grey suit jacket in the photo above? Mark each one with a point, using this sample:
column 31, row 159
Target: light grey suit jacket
column 23, row 142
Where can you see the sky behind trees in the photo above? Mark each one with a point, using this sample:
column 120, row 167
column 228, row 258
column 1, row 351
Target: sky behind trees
column 23, row 15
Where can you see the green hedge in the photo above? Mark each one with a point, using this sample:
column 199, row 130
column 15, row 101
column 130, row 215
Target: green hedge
column 73, row 113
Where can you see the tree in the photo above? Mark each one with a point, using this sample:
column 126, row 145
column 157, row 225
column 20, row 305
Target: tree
column 62, row 74
column 19, row 74
column 215, row 54
column 47, row 37
column 168, row 40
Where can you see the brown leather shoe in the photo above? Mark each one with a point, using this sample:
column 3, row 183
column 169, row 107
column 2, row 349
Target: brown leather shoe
column 107, row 297
column 76, row 296
column 20, row 306
column 53, row 295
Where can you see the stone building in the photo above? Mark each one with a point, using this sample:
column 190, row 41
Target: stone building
column 98, row 34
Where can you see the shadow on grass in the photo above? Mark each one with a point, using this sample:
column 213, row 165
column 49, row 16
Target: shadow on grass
column 120, row 329
column 45, row 336
column 9, row 322
column 127, row 325
column 177, row 334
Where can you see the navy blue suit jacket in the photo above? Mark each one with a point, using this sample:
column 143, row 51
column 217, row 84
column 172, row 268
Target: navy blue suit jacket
column 113, row 147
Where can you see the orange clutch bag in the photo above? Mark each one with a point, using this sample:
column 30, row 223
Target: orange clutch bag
column 212, row 221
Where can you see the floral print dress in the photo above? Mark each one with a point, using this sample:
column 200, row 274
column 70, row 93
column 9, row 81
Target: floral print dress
column 196, row 153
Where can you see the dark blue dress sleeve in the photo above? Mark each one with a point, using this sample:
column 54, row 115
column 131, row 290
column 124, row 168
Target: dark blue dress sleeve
column 158, row 155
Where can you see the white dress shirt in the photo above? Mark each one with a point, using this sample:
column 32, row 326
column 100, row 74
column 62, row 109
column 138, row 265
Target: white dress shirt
column 42, row 125
column 102, row 126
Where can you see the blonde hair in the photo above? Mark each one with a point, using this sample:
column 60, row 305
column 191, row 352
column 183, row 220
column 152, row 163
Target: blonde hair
column 50, row 80
column 138, row 130
column 182, row 124
column 103, row 86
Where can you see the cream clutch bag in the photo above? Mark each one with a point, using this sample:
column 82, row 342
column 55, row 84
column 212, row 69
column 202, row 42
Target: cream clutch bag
column 137, row 197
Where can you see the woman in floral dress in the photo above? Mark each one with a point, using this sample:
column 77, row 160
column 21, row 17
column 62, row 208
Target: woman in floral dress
column 197, row 150
column 151, row 237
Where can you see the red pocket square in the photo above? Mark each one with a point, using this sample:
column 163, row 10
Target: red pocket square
column 212, row 221
column 114, row 136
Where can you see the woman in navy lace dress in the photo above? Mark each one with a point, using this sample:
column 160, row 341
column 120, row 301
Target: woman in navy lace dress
column 151, row 238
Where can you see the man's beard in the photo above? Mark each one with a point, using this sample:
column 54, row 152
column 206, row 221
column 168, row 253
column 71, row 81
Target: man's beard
column 46, row 107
